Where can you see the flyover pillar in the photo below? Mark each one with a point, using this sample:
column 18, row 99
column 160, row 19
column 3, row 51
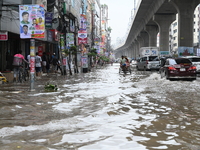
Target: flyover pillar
column 137, row 47
column 145, row 37
column 152, row 30
column 164, row 22
column 185, row 20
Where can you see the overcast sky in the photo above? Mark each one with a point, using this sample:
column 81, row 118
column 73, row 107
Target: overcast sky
column 119, row 12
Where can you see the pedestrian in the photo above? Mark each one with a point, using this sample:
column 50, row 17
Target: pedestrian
column 17, row 62
column 44, row 62
column 59, row 67
column 54, row 62
column 38, row 61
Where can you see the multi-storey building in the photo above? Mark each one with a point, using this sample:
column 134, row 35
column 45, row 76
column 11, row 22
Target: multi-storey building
column 174, row 32
column 66, row 18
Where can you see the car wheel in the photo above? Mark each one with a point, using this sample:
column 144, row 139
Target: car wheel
column 137, row 68
column 167, row 77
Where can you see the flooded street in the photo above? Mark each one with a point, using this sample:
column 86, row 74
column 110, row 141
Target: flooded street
column 101, row 110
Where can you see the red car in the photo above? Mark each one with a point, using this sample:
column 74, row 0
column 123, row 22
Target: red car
column 178, row 68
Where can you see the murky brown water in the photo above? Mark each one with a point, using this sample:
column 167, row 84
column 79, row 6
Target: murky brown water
column 101, row 110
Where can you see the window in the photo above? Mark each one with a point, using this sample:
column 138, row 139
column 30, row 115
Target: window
column 175, row 31
column 73, row 3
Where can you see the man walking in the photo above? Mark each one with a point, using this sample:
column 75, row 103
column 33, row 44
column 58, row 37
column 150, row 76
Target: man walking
column 17, row 62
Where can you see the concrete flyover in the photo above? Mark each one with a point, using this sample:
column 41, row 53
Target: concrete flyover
column 155, row 16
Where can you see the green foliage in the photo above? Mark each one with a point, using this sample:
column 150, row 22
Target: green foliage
column 66, row 51
column 73, row 49
column 109, row 29
column 50, row 87
column 104, row 58
column 93, row 52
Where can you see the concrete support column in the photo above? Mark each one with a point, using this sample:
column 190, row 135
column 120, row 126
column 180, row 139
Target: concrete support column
column 145, row 37
column 137, row 47
column 132, row 50
column 134, row 47
column 164, row 22
column 141, row 41
column 185, row 20
column 152, row 30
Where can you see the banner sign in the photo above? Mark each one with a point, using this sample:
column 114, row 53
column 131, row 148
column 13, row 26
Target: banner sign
column 83, row 24
column 62, row 43
column 3, row 35
column 82, row 37
column 48, row 20
column 84, row 62
column 69, row 39
column 40, row 50
column 185, row 51
column 31, row 21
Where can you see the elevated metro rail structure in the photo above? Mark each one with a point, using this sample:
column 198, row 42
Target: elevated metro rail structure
column 156, row 16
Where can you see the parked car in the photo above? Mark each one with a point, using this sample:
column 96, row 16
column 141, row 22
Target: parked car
column 148, row 63
column 195, row 61
column 178, row 68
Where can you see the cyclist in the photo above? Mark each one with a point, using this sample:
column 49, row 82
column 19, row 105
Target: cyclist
column 123, row 62
column 17, row 62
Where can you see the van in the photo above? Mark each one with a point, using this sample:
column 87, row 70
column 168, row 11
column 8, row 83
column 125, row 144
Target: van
column 148, row 63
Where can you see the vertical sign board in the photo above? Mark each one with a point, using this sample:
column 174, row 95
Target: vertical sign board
column 84, row 62
column 48, row 20
column 32, row 18
column 3, row 35
column 40, row 50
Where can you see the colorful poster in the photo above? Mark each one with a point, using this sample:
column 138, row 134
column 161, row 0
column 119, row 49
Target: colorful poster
column 84, row 62
column 185, row 51
column 31, row 21
column 83, row 23
column 40, row 50
column 62, row 43
column 69, row 39
column 82, row 37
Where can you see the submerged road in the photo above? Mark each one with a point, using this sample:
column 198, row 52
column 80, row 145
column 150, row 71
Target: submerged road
column 101, row 110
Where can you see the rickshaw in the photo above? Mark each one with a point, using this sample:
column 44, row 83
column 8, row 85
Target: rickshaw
column 125, row 68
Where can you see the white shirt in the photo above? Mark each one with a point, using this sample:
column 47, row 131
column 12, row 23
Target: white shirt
column 22, row 35
column 38, row 61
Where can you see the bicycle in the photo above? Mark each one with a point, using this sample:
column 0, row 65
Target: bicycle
column 23, row 74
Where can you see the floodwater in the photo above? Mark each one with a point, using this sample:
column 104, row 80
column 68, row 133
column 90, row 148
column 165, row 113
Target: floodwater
column 101, row 110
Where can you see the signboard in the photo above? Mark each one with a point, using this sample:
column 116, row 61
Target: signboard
column 40, row 50
column 48, row 20
column 82, row 37
column 83, row 23
column 84, row 62
column 185, row 51
column 164, row 53
column 32, row 21
column 3, row 35
column 198, row 51
column 70, row 39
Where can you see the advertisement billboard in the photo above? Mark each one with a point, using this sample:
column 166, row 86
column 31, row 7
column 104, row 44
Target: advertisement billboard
column 32, row 19
column 185, row 51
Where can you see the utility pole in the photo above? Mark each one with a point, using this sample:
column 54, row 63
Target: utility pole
column 1, row 3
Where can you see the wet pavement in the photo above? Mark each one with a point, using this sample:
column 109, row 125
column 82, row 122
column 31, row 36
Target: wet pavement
column 101, row 110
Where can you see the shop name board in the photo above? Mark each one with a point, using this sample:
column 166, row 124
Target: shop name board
column 3, row 35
